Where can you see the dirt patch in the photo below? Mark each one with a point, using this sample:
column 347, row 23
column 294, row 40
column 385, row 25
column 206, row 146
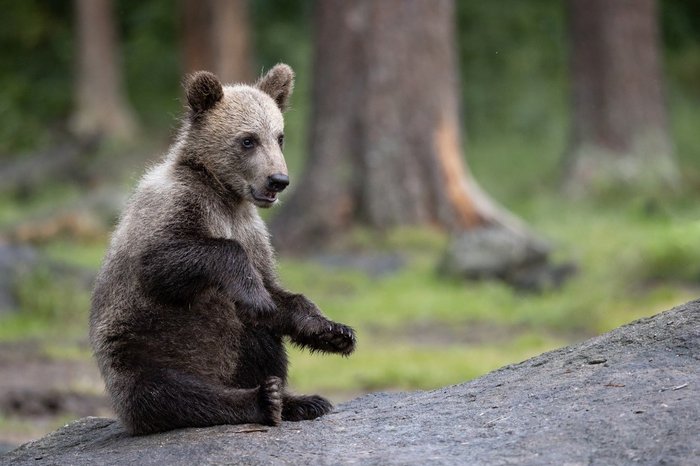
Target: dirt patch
column 39, row 402
column 38, row 391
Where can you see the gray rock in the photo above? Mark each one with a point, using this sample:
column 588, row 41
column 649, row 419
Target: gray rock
column 630, row 396
column 375, row 265
column 515, row 256
column 492, row 251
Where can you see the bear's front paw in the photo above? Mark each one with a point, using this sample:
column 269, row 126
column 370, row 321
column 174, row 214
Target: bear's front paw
column 340, row 338
column 329, row 337
column 270, row 400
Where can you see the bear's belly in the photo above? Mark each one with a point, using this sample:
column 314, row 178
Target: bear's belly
column 210, row 334
column 262, row 354
column 202, row 339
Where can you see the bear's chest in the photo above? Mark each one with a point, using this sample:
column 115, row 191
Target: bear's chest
column 246, row 228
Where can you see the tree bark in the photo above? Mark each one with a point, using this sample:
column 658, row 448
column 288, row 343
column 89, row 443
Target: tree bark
column 386, row 140
column 216, row 37
column 196, row 29
column 620, row 125
column 101, row 108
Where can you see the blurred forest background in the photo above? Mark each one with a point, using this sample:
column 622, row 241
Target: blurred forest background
column 578, row 118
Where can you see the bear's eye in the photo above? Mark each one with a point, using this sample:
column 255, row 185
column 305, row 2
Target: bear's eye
column 248, row 143
column 280, row 140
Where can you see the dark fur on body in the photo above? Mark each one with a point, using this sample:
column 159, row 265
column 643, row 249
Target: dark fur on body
column 188, row 316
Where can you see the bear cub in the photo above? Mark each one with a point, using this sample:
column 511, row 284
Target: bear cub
column 188, row 315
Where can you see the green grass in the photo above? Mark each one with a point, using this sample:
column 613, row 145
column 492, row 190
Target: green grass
column 618, row 254
column 635, row 255
column 15, row 429
column 631, row 264
column 16, row 209
column 86, row 255
column 403, row 366
column 51, row 307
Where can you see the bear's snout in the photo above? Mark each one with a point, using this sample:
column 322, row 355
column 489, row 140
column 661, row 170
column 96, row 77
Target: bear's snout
column 277, row 182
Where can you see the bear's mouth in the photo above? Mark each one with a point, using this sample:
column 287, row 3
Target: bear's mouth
column 264, row 198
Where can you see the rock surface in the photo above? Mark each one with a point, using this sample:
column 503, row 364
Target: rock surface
column 516, row 256
column 630, row 396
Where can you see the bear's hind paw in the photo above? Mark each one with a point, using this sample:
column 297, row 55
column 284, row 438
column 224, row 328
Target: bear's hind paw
column 304, row 408
column 270, row 399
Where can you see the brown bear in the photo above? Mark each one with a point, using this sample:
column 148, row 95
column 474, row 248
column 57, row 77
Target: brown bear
column 188, row 316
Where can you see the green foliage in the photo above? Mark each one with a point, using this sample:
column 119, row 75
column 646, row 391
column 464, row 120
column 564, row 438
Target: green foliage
column 86, row 255
column 685, row 121
column 635, row 256
column 513, row 67
column 281, row 31
column 672, row 252
column 633, row 261
column 52, row 306
column 15, row 209
column 681, row 23
column 417, row 330
column 513, row 58
column 402, row 366
column 151, row 58
column 46, row 296
column 35, row 71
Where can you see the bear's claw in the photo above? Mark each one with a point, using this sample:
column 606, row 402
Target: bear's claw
column 331, row 337
column 340, row 338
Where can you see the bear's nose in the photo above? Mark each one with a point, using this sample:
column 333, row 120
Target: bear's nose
column 277, row 182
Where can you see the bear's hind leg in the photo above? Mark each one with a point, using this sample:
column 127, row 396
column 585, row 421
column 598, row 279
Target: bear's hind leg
column 304, row 407
column 167, row 399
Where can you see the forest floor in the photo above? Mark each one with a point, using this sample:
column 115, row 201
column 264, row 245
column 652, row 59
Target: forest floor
column 626, row 397
column 44, row 385
column 40, row 391
column 416, row 329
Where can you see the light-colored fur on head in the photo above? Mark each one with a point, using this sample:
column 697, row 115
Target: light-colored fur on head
column 236, row 132
column 278, row 83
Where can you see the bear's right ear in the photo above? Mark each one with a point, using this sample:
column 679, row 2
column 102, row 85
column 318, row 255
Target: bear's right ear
column 203, row 90
column 278, row 83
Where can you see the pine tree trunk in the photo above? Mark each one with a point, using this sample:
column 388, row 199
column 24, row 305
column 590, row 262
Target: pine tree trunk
column 196, row 28
column 216, row 37
column 620, row 127
column 386, row 143
column 101, row 108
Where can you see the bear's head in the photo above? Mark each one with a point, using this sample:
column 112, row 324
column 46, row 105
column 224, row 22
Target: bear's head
column 237, row 132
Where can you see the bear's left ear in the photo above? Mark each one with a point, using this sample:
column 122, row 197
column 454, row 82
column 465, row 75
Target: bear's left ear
column 278, row 83
column 203, row 90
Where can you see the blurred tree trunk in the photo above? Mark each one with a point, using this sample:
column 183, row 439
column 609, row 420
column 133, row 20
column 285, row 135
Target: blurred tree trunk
column 620, row 128
column 101, row 108
column 216, row 37
column 386, row 146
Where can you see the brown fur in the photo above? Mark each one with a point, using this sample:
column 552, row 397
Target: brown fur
column 278, row 84
column 188, row 315
column 203, row 91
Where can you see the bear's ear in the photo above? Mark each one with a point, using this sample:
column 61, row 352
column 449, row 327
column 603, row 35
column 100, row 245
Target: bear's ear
column 203, row 90
column 278, row 83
